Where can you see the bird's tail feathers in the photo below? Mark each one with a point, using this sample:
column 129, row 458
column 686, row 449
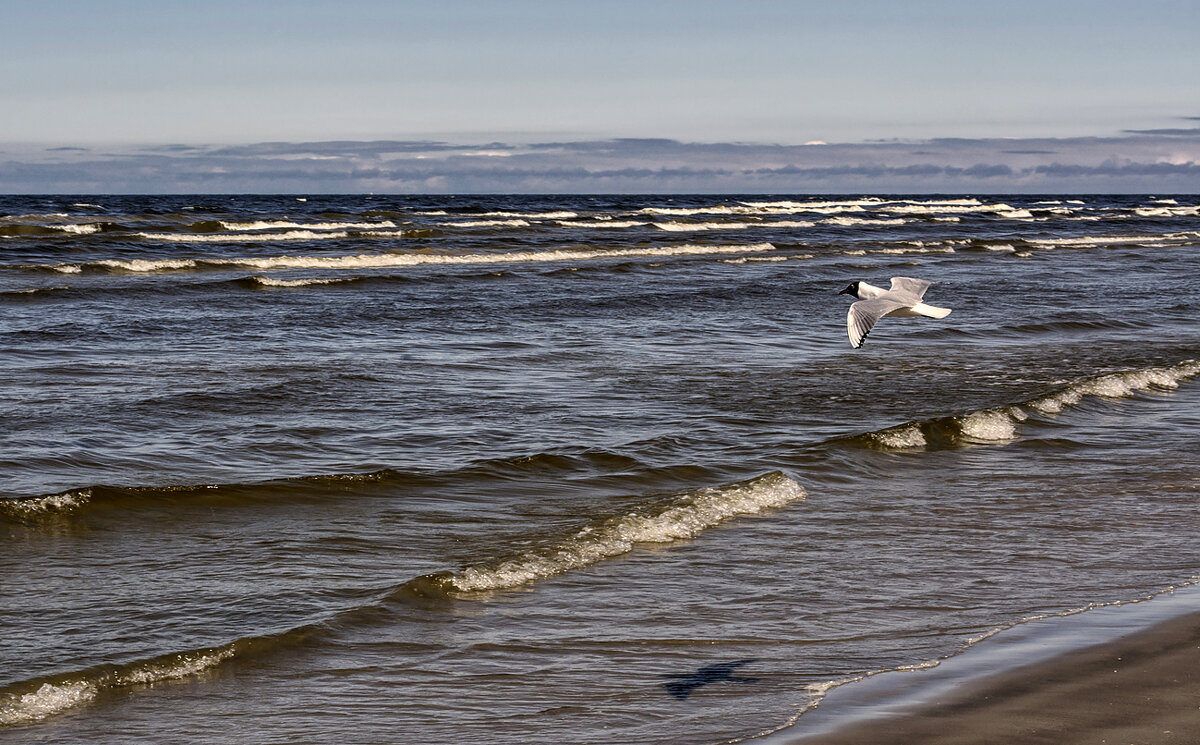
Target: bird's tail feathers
column 931, row 311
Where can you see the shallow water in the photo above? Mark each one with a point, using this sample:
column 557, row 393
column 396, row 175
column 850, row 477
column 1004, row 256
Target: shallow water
column 511, row 469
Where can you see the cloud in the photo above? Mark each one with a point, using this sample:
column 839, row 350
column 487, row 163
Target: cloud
column 1137, row 161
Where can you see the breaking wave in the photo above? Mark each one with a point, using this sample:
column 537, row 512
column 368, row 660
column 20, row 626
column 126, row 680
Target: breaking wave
column 368, row 261
column 35, row 700
column 677, row 518
column 999, row 424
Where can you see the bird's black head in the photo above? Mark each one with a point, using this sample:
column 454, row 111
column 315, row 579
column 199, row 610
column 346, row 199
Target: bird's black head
column 851, row 290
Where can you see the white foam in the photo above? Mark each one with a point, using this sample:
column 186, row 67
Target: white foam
column 967, row 206
column 560, row 215
column 682, row 518
column 63, row 502
column 55, row 698
column 374, row 261
column 46, row 701
column 287, row 224
column 1091, row 241
column 272, row 282
column 599, row 223
column 79, row 228
column 903, row 437
column 490, row 224
column 180, row 666
column 850, row 221
column 1167, row 211
column 695, row 226
column 992, row 425
column 916, row 250
column 291, row 235
column 790, row 224
column 34, row 290
column 1117, row 385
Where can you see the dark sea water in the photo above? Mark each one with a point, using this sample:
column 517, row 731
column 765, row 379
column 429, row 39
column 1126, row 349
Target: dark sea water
column 567, row 469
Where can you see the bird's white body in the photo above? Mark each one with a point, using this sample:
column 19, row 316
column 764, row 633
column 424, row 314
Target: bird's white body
column 903, row 299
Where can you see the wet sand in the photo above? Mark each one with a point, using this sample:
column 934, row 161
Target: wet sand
column 1141, row 689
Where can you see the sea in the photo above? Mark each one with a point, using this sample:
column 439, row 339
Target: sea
column 569, row 469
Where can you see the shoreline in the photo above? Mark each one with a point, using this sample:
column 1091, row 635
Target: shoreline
column 1130, row 674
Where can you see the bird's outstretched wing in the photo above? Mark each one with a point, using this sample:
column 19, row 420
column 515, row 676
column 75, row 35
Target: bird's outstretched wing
column 909, row 285
column 863, row 315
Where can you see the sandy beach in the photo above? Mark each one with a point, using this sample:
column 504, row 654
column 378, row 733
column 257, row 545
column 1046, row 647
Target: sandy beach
column 1142, row 689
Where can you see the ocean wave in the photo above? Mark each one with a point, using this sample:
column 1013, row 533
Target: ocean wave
column 291, row 235
column 1110, row 240
column 999, row 424
column 488, row 224
column 24, row 230
column 555, row 215
column 370, row 261
column 862, row 221
column 758, row 208
column 600, row 224
column 1167, row 211
column 32, row 291
column 967, row 206
column 33, row 701
column 695, row 226
column 679, row 517
column 306, row 282
column 51, row 504
column 288, row 224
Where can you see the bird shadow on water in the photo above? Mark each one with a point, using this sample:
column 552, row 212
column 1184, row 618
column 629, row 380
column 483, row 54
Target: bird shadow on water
column 682, row 686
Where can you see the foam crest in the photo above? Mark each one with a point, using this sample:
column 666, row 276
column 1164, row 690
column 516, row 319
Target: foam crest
column 992, row 425
column 272, row 282
column 287, row 224
column 599, row 223
column 51, row 504
column 695, row 226
column 79, row 228
column 999, row 424
column 291, row 235
column 1117, row 385
column 558, row 215
column 862, row 221
column 948, row 207
column 375, row 261
column 681, row 518
column 55, row 697
column 491, row 224
column 46, row 701
column 902, row 437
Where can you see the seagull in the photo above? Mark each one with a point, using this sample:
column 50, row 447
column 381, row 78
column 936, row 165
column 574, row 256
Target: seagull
column 903, row 299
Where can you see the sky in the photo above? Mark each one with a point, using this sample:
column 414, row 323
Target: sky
column 616, row 95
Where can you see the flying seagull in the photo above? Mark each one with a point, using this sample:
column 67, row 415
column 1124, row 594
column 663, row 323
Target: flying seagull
column 903, row 300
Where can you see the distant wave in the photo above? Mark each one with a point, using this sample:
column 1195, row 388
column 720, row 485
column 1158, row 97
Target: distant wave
column 677, row 518
column 999, row 424
column 488, row 224
column 291, row 235
column 288, row 224
column 32, row 291
column 600, row 224
column 555, row 215
column 697, row 226
column 363, row 261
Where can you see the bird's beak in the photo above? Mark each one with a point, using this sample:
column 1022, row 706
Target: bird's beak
column 846, row 291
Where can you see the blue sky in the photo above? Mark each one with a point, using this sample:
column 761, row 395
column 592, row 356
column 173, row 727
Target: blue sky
column 118, row 78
